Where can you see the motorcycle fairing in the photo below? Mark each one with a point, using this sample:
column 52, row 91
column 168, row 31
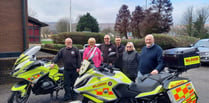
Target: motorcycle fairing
column 54, row 73
column 96, row 100
column 34, row 75
column 21, row 87
column 97, row 84
column 157, row 90
column 21, row 59
column 28, row 54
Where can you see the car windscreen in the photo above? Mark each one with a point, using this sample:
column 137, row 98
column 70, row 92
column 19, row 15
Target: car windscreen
column 202, row 44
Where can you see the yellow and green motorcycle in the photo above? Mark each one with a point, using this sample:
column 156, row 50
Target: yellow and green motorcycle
column 103, row 86
column 37, row 76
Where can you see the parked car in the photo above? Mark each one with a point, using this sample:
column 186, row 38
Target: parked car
column 84, row 46
column 203, row 47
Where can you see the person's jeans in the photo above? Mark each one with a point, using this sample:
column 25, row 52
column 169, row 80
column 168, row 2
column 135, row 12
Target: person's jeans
column 69, row 80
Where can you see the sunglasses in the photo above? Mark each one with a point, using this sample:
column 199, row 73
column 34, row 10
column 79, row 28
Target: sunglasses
column 128, row 46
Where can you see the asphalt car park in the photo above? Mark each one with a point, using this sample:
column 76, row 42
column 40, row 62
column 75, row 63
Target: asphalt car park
column 198, row 76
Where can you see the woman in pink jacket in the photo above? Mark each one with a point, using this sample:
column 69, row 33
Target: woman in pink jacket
column 92, row 50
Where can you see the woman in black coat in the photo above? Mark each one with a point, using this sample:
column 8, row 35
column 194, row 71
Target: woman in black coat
column 130, row 61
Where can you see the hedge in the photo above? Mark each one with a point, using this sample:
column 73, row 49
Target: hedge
column 185, row 41
column 165, row 41
column 77, row 37
column 59, row 46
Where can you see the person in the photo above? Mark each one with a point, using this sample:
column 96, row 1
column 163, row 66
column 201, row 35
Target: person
column 106, row 48
column 72, row 62
column 120, row 48
column 152, row 62
column 92, row 50
column 130, row 61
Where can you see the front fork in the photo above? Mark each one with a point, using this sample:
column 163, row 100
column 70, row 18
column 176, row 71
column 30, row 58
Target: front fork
column 22, row 87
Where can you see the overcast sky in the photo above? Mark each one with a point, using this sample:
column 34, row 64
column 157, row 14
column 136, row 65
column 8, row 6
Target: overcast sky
column 104, row 11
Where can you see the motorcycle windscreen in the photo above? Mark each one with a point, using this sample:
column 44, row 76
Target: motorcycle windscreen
column 84, row 66
column 32, row 51
column 184, row 93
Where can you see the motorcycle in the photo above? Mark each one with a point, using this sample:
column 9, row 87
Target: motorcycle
column 107, row 85
column 37, row 76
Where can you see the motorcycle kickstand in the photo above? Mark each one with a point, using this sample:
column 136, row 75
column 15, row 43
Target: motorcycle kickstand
column 57, row 91
column 51, row 97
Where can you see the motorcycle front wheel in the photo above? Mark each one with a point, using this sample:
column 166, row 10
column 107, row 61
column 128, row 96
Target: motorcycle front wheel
column 17, row 98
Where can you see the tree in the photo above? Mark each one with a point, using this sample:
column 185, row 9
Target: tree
column 164, row 8
column 45, row 32
column 136, row 21
column 63, row 25
column 195, row 22
column 150, row 23
column 199, row 24
column 122, row 21
column 107, row 30
column 188, row 19
column 32, row 13
column 87, row 23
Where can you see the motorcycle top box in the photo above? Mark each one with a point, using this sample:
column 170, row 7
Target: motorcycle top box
column 181, row 58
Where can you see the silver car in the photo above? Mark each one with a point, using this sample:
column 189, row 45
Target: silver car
column 203, row 47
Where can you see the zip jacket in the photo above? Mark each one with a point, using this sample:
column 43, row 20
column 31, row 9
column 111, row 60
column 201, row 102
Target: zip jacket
column 97, row 59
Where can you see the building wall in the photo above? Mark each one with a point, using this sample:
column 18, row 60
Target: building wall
column 11, row 30
column 34, row 33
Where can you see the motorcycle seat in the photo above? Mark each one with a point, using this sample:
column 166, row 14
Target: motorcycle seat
column 146, row 85
column 158, row 77
column 149, row 82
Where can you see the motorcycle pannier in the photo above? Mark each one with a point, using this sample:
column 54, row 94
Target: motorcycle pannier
column 184, row 93
column 181, row 58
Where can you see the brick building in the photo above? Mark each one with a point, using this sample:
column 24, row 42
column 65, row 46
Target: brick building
column 34, row 30
column 13, row 27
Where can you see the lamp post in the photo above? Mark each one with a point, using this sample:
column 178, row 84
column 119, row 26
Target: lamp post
column 70, row 18
column 146, row 4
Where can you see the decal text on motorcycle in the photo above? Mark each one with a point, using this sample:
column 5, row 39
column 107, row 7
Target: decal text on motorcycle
column 98, row 85
column 176, row 83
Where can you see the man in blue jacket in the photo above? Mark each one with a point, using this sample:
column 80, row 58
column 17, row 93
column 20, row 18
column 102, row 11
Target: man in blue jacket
column 152, row 62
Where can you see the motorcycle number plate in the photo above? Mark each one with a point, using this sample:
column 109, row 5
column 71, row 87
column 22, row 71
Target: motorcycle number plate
column 84, row 66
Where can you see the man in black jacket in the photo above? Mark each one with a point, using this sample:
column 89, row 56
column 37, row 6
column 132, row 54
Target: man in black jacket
column 120, row 48
column 106, row 48
column 72, row 62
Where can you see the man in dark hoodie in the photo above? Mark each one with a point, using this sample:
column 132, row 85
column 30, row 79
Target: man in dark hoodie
column 72, row 62
column 106, row 48
column 120, row 48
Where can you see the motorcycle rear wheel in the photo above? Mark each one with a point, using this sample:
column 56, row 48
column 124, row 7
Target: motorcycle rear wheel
column 17, row 98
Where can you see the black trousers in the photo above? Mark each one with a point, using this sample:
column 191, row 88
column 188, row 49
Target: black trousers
column 69, row 80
